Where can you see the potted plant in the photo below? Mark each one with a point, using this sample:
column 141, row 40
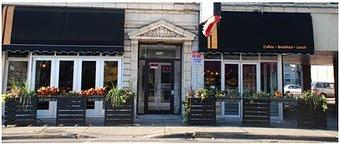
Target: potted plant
column 312, row 111
column 200, row 107
column 119, row 106
column 20, row 100
column 256, row 108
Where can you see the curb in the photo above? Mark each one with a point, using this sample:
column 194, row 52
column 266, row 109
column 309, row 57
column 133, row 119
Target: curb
column 45, row 136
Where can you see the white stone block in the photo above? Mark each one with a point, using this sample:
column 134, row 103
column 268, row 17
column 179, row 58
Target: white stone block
column 144, row 6
column 131, row 17
column 277, row 9
column 168, row 6
column 156, row 6
column 303, row 10
column 289, row 9
column 133, row 5
column 121, row 5
column 155, row 17
column 109, row 5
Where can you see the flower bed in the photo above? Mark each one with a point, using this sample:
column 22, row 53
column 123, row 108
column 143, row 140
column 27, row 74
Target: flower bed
column 71, row 110
column 119, row 115
column 20, row 114
column 201, row 111
column 119, row 106
column 256, row 109
column 310, row 117
column 312, row 111
column 256, row 112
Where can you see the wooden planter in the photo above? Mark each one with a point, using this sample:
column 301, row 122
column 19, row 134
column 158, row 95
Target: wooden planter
column 20, row 115
column 201, row 112
column 121, row 115
column 310, row 117
column 71, row 110
column 256, row 112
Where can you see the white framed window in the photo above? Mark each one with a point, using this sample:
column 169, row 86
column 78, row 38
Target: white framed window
column 75, row 73
column 16, row 68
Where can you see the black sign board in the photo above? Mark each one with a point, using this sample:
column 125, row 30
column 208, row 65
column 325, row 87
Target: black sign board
column 256, row 32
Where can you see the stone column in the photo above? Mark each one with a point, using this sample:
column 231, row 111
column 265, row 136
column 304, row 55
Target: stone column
column 132, row 70
column 186, row 69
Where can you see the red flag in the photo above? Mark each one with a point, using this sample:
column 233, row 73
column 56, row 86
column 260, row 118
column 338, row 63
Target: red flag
column 209, row 25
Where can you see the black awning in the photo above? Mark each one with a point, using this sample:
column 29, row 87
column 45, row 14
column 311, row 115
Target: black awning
column 68, row 27
column 64, row 49
column 255, row 32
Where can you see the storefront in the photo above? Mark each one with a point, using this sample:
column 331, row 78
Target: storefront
column 73, row 49
column 245, row 53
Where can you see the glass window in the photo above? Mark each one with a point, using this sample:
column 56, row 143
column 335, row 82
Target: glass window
column 292, row 74
column 231, row 56
column 88, row 75
column 269, row 77
column 250, row 57
column 66, row 75
column 212, row 76
column 42, row 74
column 212, row 56
column 231, row 76
column 231, row 107
column 249, row 77
column 17, row 70
column 159, row 51
column 110, row 73
column 268, row 57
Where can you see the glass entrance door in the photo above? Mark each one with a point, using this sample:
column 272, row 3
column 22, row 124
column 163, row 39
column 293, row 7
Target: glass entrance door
column 240, row 77
column 159, row 88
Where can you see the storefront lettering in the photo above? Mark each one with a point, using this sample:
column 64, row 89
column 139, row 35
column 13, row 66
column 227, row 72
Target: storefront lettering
column 284, row 46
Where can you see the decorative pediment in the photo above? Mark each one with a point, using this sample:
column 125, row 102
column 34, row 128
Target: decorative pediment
column 161, row 30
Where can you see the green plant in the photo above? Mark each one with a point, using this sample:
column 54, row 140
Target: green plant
column 313, row 99
column 203, row 93
column 19, row 89
column 186, row 111
column 232, row 93
column 119, row 96
column 189, row 92
column 249, row 94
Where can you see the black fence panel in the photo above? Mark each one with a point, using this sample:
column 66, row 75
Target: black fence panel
column 256, row 112
column 20, row 114
column 71, row 110
column 120, row 115
column 202, row 112
column 310, row 116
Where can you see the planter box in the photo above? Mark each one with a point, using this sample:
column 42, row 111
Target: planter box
column 202, row 112
column 308, row 117
column 121, row 115
column 20, row 115
column 256, row 112
column 71, row 110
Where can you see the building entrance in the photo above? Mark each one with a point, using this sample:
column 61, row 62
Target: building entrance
column 159, row 79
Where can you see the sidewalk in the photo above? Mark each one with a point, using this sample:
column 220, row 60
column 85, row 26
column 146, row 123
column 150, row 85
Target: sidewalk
column 165, row 134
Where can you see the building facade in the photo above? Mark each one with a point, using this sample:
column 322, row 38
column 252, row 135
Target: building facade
column 155, row 47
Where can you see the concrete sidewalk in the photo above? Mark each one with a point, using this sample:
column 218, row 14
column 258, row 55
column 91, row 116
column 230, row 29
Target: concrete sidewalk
column 166, row 134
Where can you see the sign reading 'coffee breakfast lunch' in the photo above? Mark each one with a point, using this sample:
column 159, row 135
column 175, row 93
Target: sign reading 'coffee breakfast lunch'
column 284, row 46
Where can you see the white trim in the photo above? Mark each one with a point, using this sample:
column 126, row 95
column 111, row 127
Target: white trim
column 6, row 68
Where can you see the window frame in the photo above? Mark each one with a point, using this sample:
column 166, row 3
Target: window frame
column 55, row 65
column 16, row 59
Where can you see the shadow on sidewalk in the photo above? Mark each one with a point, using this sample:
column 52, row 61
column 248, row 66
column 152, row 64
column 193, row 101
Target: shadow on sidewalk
column 244, row 135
